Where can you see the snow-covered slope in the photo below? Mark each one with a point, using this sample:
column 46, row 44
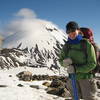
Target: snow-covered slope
column 9, row 88
column 14, row 89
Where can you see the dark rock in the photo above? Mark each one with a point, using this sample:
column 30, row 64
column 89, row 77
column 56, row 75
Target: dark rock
column 3, row 86
column 56, row 83
column 49, row 29
column 20, row 85
column 46, row 84
column 40, row 77
column 58, row 87
column 10, row 75
column 60, row 91
column 52, row 91
column 98, row 94
column 25, row 76
column 34, row 86
column 98, row 84
column 8, row 57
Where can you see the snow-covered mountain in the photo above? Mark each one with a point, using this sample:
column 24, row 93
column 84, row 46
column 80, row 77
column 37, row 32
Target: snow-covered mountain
column 33, row 43
column 36, row 31
column 36, row 43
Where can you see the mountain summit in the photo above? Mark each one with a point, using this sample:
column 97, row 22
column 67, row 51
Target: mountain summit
column 29, row 32
column 33, row 42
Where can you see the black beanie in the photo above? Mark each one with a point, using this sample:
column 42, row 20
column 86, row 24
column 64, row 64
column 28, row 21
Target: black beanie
column 71, row 27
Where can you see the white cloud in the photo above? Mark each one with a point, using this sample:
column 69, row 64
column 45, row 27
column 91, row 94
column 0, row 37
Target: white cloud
column 26, row 22
column 26, row 27
column 26, row 13
column 17, row 24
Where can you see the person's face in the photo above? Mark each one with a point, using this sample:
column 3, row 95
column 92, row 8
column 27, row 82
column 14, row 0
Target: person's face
column 73, row 35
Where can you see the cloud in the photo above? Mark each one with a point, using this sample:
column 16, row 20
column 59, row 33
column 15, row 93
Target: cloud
column 25, row 22
column 22, row 17
column 26, row 13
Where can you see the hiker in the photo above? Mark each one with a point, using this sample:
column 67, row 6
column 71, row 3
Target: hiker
column 74, row 59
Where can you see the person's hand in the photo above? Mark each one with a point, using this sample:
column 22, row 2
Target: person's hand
column 70, row 69
column 67, row 62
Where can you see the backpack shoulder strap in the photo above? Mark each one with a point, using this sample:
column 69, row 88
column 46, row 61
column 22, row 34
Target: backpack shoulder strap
column 84, row 48
column 66, row 47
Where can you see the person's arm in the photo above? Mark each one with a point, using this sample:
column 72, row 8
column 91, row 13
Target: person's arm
column 61, row 56
column 91, row 60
